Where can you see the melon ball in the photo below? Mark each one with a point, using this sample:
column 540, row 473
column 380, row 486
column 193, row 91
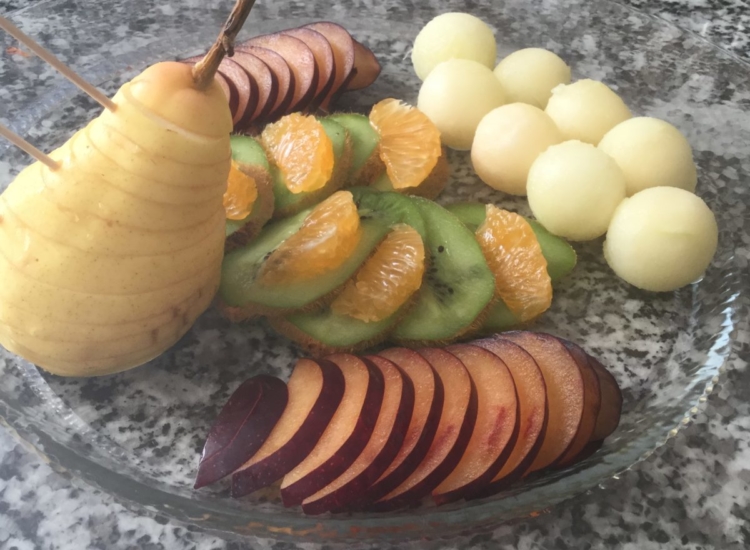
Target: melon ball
column 456, row 96
column 661, row 239
column 508, row 141
column 586, row 110
column 530, row 75
column 651, row 153
column 453, row 36
column 574, row 189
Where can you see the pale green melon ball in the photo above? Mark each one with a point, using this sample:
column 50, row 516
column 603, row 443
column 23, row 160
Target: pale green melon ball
column 586, row 110
column 651, row 153
column 456, row 96
column 453, row 36
column 508, row 141
column 661, row 239
column 530, row 75
column 574, row 189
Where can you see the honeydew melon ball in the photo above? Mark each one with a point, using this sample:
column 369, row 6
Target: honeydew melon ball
column 453, row 36
column 651, row 153
column 508, row 141
column 586, row 110
column 530, row 75
column 574, row 189
column 456, row 96
column 661, row 239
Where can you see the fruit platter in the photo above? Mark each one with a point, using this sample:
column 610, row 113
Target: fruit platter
column 337, row 275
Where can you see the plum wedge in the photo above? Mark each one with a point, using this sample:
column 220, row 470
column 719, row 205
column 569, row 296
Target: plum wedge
column 428, row 406
column 496, row 428
column 343, row 53
column 385, row 441
column 243, row 425
column 324, row 59
column 315, row 390
column 532, row 400
column 267, row 85
column 345, row 436
column 284, row 78
column 592, row 400
column 451, row 439
column 301, row 61
column 565, row 393
column 366, row 68
column 611, row 403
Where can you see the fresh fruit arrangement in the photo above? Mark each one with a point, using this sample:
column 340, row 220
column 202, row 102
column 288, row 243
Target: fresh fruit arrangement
column 573, row 148
column 382, row 432
column 365, row 266
column 302, row 69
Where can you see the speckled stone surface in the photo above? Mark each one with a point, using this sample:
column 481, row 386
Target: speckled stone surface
column 692, row 493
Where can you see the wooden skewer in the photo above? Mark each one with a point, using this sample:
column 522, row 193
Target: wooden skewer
column 24, row 145
column 66, row 71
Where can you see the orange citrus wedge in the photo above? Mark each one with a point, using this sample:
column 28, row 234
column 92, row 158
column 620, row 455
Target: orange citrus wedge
column 515, row 258
column 386, row 280
column 241, row 194
column 409, row 142
column 328, row 236
column 299, row 146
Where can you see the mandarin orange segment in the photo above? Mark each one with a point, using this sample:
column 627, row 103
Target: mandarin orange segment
column 299, row 146
column 328, row 236
column 386, row 280
column 516, row 260
column 409, row 142
column 241, row 194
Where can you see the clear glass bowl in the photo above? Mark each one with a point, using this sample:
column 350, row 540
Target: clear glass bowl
column 138, row 435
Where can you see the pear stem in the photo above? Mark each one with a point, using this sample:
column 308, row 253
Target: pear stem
column 205, row 69
column 49, row 57
column 27, row 147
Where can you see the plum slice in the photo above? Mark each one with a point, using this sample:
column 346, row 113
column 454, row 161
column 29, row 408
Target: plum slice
column 592, row 400
column 345, row 436
column 428, row 405
column 611, row 403
column 284, row 78
column 385, row 442
column 532, row 401
column 343, row 53
column 243, row 425
column 301, row 61
column 496, row 428
column 451, row 439
column 565, row 393
column 324, row 59
column 315, row 390
column 366, row 68
column 266, row 83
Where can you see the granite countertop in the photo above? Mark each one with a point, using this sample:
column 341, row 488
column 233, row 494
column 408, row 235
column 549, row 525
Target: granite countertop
column 692, row 493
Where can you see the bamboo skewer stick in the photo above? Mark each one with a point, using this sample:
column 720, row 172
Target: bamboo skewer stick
column 24, row 145
column 48, row 57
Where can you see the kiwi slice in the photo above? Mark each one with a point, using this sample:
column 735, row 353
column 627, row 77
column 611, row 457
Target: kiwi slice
column 561, row 257
column 430, row 188
column 324, row 331
column 366, row 163
column 240, row 289
column 288, row 203
column 252, row 160
column 458, row 284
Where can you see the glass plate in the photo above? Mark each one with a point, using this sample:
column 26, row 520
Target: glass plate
column 138, row 435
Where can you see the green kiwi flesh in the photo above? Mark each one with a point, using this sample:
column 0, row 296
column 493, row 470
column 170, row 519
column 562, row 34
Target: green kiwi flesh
column 561, row 257
column 325, row 331
column 249, row 154
column 240, row 288
column 364, row 137
column 458, row 283
column 288, row 203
